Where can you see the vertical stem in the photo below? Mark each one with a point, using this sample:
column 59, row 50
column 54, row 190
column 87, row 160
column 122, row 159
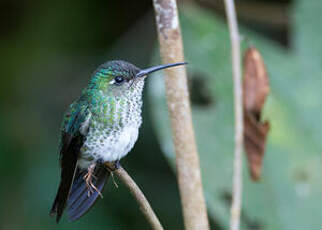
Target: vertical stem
column 236, row 65
column 187, row 159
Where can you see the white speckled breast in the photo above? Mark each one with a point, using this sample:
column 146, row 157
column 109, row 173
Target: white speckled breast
column 112, row 142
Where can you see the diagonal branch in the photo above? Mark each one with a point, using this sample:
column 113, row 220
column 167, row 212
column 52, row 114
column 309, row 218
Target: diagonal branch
column 138, row 195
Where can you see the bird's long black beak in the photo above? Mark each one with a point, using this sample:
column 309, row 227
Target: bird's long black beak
column 152, row 69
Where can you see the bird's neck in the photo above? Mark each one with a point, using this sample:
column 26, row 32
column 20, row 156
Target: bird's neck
column 118, row 107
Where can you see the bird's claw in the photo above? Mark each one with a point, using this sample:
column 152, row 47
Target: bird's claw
column 116, row 185
column 89, row 176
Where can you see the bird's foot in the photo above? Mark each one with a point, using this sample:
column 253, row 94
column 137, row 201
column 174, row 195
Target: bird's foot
column 114, row 182
column 89, row 176
column 112, row 166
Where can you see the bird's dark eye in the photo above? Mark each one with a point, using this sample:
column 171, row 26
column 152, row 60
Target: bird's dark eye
column 118, row 79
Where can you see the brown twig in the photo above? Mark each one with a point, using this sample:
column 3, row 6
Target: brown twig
column 138, row 195
column 187, row 159
column 236, row 65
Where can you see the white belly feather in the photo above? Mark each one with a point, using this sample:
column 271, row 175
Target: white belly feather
column 108, row 148
column 112, row 142
column 119, row 146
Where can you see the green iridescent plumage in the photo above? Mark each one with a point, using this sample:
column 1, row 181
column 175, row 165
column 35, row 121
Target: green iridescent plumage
column 100, row 126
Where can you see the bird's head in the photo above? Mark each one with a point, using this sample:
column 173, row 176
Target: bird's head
column 120, row 76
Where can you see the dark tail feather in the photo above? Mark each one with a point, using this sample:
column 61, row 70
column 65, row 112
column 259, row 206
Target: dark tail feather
column 63, row 191
column 79, row 202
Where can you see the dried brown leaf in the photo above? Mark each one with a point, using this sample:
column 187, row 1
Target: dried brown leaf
column 256, row 83
column 256, row 89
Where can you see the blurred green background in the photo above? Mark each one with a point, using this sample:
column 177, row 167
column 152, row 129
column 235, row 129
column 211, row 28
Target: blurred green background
column 50, row 48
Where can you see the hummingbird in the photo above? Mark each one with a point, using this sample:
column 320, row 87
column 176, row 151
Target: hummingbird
column 101, row 126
